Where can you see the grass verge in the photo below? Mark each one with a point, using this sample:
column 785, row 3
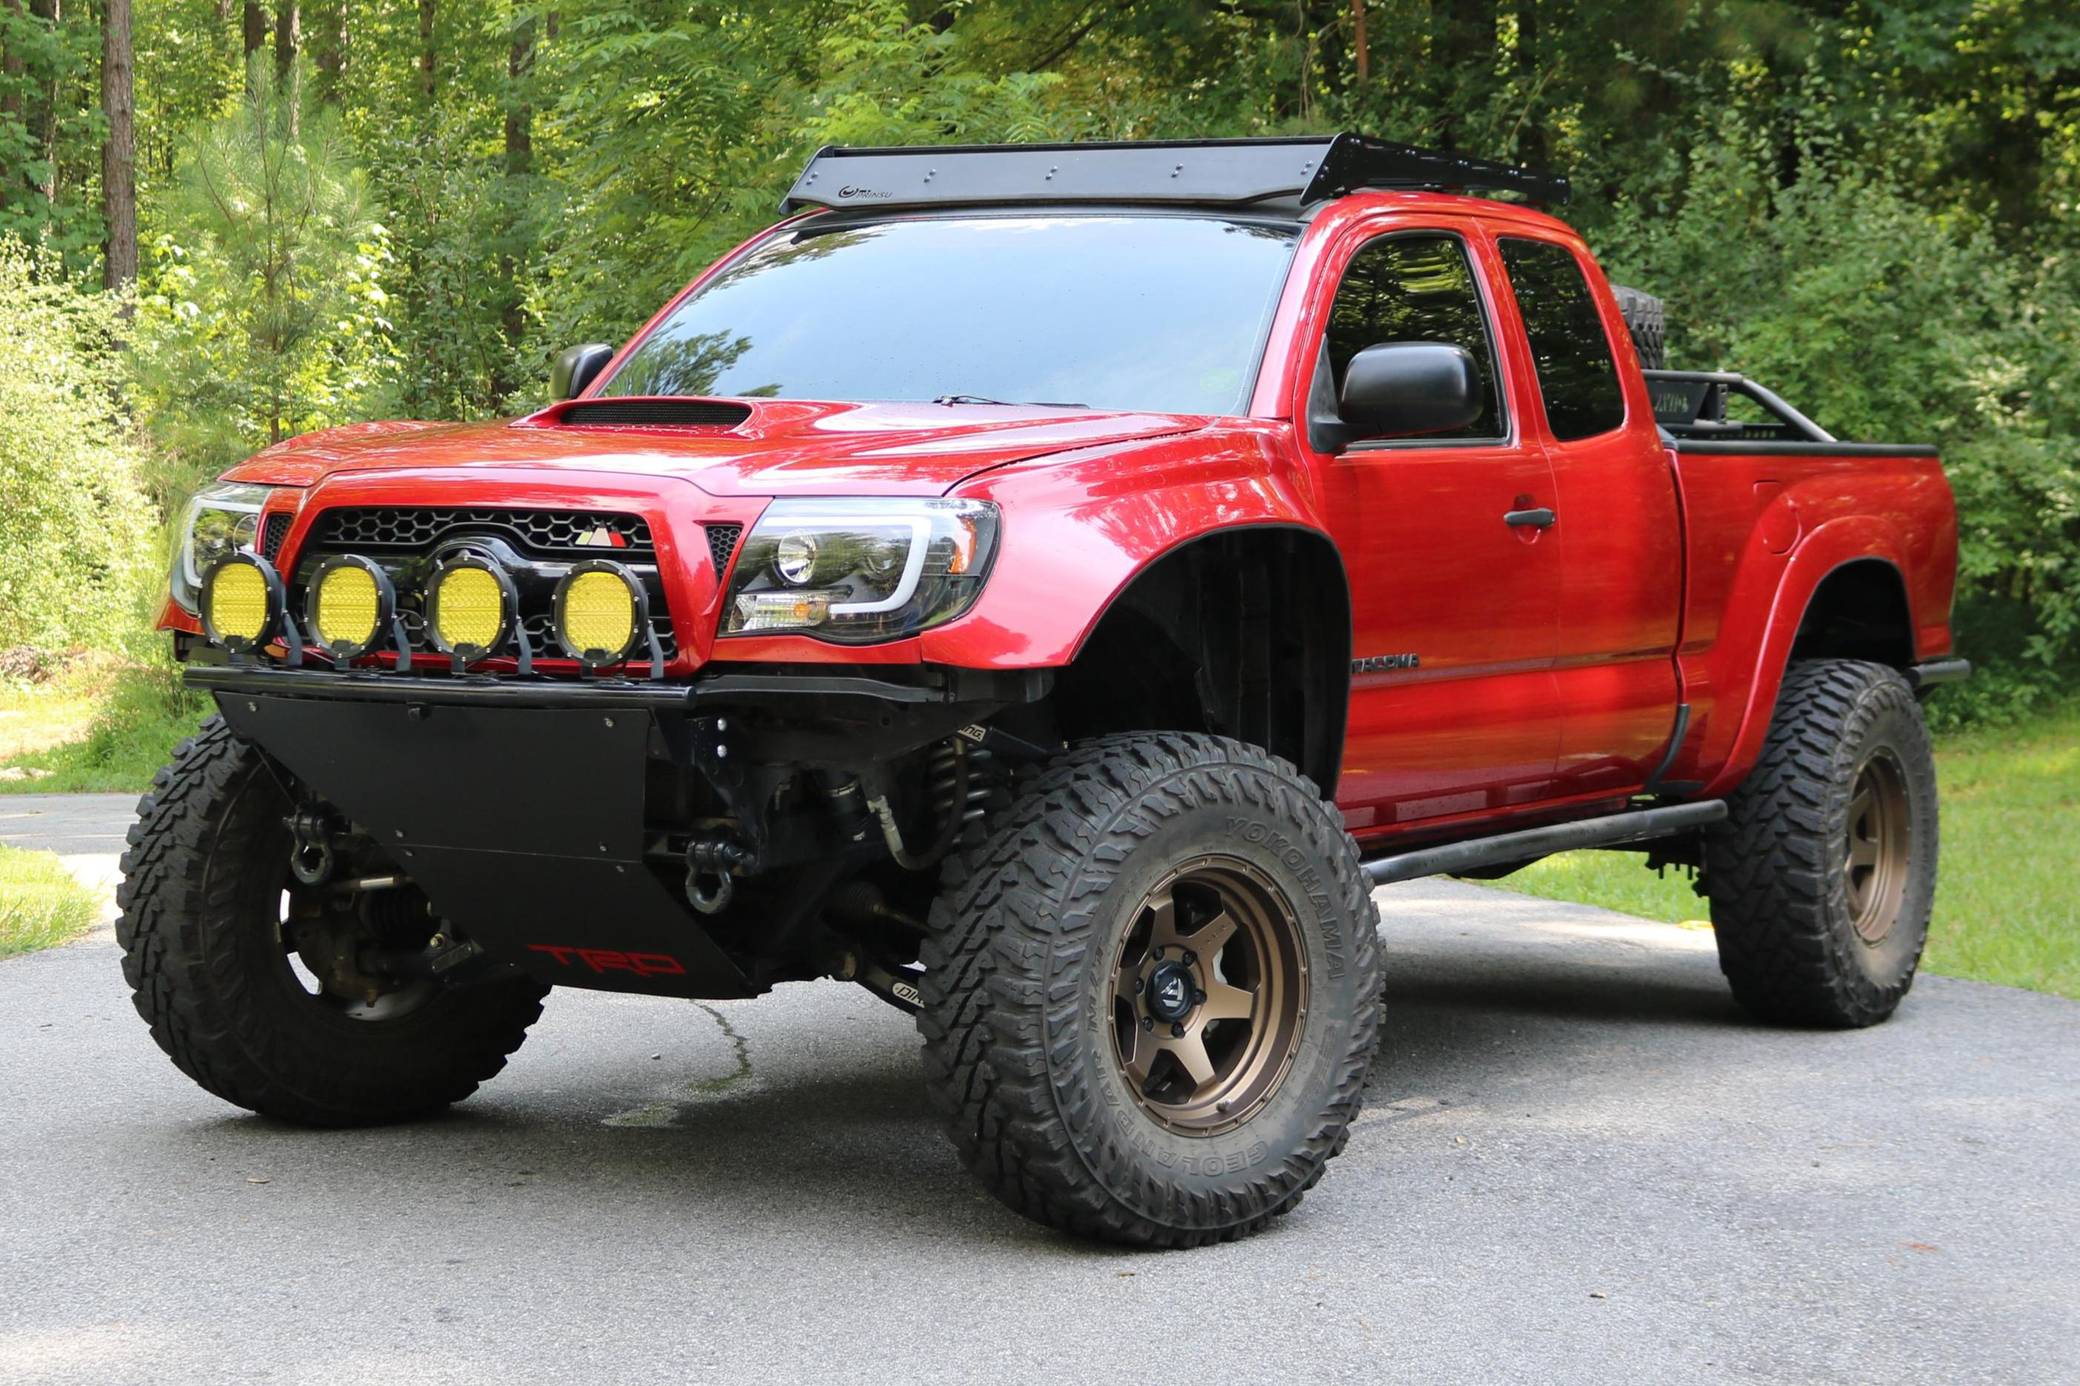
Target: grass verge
column 96, row 727
column 41, row 905
column 2005, row 908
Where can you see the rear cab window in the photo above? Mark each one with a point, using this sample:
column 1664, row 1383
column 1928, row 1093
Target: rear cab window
column 1577, row 375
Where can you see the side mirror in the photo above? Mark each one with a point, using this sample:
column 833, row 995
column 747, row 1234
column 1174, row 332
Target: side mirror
column 1406, row 389
column 577, row 368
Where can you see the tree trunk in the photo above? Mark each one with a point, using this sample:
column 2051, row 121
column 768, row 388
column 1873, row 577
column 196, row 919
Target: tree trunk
column 329, row 48
column 519, row 106
column 254, row 27
column 519, row 164
column 1360, row 48
column 43, row 116
column 119, row 153
column 11, row 102
column 426, row 15
column 288, row 79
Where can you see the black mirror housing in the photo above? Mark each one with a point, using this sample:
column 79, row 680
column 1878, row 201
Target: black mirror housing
column 1408, row 389
column 578, row 368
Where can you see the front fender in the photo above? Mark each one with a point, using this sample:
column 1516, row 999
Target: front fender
column 1078, row 529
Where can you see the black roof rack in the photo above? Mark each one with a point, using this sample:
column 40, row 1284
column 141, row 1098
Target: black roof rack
column 1192, row 172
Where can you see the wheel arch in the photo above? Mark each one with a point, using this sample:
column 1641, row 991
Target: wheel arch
column 1243, row 631
column 1844, row 596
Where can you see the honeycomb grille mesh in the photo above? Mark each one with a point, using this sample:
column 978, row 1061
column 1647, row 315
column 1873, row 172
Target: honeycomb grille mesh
column 542, row 531
column 274, row 533
column 722, row 543
column 404, row 539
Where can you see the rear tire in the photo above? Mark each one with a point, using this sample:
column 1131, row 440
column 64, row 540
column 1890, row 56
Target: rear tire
column 1823, row 875
column 1188, row 875
column 202, row 938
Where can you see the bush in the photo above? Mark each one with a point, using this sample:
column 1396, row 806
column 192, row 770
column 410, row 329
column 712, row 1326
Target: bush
column 77, row 545
column 1887, row 319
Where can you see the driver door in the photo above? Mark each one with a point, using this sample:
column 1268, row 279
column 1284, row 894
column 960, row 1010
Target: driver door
column 1455, row 597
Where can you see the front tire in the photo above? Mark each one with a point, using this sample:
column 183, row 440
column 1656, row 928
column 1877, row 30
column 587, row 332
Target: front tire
column 1152, row 994
column 203, row 938
column 1823, row 875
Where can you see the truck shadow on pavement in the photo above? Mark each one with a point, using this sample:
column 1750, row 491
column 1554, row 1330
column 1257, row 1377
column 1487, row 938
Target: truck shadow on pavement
column 819, row 1111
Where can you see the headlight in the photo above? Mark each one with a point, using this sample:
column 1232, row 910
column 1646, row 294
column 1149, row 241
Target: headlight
column 857, row 571
column 223, row 519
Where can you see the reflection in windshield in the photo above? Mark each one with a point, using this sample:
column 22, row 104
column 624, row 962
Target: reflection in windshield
column 1142, row 312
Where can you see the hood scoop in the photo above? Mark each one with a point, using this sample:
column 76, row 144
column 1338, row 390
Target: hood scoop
column 652, row 413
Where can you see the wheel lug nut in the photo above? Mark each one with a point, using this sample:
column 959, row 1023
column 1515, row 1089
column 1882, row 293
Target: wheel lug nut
column 1198, row 998
column 1190, row 957
column 1148, row 1022
column 1177, row 1029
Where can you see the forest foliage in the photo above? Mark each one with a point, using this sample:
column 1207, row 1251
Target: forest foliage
column 354, row 209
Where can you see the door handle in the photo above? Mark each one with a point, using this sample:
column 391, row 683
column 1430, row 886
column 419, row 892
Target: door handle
column 1541, row 518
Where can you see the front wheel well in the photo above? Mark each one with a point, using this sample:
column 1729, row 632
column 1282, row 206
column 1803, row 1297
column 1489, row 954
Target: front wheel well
column 1243, row 633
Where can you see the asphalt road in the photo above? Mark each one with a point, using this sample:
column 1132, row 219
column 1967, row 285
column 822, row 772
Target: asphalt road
column 1579, row 1163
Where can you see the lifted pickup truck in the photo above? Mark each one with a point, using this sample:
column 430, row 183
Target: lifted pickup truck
column 1050, row 586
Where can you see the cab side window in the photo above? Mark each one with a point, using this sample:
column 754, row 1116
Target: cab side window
column 1415, row 289
column 1576, row 375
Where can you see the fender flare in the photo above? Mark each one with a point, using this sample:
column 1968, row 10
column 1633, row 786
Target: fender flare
column 1181, row 546
column 1825, row 551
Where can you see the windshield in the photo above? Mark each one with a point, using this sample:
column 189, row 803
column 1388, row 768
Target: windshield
column 1133, row 312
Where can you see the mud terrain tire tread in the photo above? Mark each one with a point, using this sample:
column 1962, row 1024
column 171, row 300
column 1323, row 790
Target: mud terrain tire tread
column 1772, row 871
column 1016, row 912
column 208, row 819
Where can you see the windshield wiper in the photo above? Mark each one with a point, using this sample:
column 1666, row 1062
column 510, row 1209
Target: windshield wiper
column 1022, row 403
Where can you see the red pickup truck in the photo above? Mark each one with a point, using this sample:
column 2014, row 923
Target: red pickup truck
column 1049, row 586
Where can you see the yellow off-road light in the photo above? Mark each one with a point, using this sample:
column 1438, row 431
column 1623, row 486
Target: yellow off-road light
column 241, row 602
column 601, row 612
column 469, row 608
column 350, row 607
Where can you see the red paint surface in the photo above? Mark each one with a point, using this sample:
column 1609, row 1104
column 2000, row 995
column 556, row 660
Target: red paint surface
column 1551, row 663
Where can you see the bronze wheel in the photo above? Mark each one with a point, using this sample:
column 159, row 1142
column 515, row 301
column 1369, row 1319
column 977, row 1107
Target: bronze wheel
column 1152, row 991
column 1880, row 834
column 1209, row 993
column 1824, row 872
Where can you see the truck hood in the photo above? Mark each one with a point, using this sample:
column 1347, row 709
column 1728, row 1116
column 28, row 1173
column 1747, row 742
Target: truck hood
column 784, row 447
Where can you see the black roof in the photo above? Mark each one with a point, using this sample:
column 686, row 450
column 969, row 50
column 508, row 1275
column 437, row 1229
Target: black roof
column 1236, row 173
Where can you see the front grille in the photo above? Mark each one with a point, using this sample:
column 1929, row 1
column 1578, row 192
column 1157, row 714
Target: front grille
column 563, row 533
column 536, row 547
column 722, row 542
column 273, row 533
column 671, row 413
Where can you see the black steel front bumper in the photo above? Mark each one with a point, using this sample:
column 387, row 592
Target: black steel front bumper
column 530, row 811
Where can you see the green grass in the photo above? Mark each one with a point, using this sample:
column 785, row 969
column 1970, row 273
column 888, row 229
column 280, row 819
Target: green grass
column 2006, row 908
column 99, row 728
column 41, row 905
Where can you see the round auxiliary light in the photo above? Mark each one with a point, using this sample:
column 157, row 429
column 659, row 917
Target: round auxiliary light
column 241, row 602
column 469, row 607
column 601, row 611
column 351, row 604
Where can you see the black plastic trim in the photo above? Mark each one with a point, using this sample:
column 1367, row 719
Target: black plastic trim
column 1675, row 743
